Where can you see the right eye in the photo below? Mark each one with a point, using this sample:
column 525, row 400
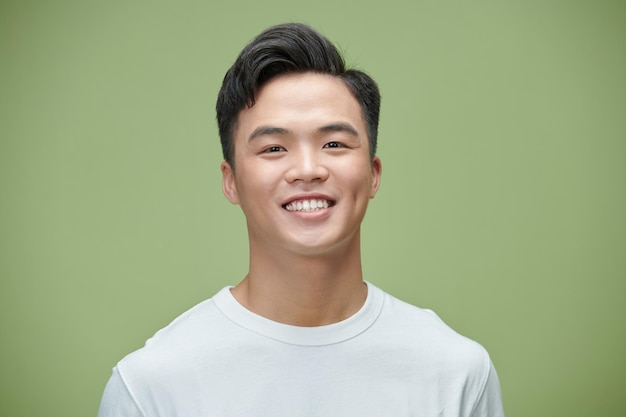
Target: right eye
column 273, row 149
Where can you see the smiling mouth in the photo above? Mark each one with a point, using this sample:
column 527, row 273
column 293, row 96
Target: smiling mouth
column 308, row 205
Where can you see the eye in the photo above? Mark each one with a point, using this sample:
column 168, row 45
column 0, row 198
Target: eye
column 273, row 149
column 334, row 145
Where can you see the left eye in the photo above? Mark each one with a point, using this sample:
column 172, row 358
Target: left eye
column 333, row 145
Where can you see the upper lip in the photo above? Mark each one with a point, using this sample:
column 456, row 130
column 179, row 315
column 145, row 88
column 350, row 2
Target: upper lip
column 308, row 196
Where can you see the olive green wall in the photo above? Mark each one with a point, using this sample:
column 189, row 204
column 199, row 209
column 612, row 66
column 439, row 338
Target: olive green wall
column 502, row 207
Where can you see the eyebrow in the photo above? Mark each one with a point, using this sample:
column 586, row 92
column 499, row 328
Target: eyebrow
column 267, row 130
column 339, row 127
column 273, row 130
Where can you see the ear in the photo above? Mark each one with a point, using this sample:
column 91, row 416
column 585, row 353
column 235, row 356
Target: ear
column 228, row 183
column 377, row 170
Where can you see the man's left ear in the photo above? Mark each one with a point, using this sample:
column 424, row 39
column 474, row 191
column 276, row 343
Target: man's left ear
column 377, row 170
column 228, row 183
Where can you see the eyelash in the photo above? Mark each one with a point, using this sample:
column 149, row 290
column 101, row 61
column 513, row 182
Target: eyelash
column 329, row 145
column 336, row 145
column 273, row 149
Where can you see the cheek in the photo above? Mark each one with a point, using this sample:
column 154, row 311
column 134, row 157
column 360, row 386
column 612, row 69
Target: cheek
column 360, row 186
column 254, row 185
column 361, row 175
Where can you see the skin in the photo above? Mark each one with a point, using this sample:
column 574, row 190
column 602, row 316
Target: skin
column 305, row 138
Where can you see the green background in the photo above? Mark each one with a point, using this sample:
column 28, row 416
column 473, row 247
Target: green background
column 502, row 205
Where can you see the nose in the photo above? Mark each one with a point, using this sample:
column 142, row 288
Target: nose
column 306, row 165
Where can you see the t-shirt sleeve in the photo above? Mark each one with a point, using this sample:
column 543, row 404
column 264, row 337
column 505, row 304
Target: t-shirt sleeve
column 117, row 400
column 489, row 403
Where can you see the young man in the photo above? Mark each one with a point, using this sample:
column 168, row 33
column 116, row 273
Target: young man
column 302, row 334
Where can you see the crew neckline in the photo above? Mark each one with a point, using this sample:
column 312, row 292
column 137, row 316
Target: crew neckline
column 297, row 335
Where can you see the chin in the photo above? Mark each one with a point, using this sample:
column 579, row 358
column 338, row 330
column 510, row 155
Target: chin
column 322, row 247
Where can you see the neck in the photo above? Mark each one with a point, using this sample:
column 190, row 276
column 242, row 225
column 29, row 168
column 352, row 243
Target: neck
column 303, row 290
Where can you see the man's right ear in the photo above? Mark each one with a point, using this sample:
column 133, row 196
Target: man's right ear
column 228, row 183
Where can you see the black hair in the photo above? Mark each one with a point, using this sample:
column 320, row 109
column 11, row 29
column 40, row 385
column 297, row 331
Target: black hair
column 286, row 49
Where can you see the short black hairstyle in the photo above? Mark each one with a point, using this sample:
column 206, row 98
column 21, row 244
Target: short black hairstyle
column 287, row 49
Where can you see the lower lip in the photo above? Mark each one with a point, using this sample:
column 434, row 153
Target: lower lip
column 311, row 215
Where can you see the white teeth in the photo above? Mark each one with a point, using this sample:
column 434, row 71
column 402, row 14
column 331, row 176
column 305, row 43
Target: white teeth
column 307, row 205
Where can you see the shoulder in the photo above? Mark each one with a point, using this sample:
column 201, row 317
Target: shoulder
column 162, row 366
column 416, row 343
column 424, row 332
column 458, row 366
column 173, row 345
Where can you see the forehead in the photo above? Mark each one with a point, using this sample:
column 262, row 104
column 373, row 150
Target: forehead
column 302, row 102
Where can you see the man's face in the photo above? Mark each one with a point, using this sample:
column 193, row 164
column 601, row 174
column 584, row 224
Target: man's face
column 303, row 171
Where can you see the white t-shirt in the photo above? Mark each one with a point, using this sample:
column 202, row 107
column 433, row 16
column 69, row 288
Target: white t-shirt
column 388, row 359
